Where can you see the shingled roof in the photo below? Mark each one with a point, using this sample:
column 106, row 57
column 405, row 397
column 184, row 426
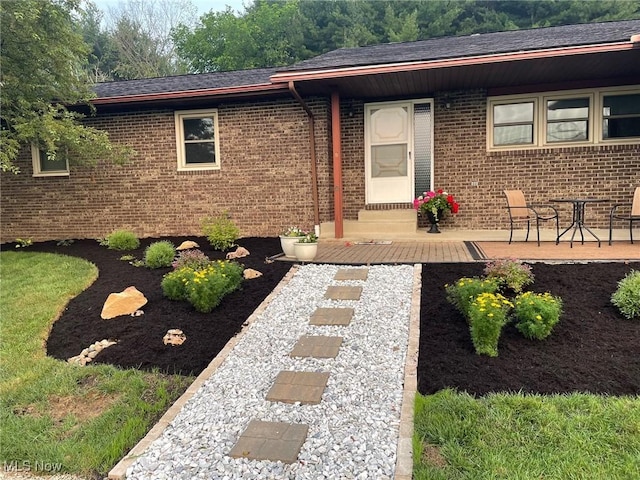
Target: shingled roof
column 474, row 45
column 182, row 83
column 391, row 53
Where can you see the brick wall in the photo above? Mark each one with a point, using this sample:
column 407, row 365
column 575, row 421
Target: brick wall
column 264, row 181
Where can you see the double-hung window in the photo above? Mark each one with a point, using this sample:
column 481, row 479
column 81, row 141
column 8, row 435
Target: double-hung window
column 45, row 166
column 579, row 117
column 197, row 140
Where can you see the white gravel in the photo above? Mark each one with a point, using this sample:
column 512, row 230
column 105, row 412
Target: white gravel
column 353, row 432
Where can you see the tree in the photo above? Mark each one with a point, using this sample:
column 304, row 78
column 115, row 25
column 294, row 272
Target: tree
column 140, row 31
column 43, row 60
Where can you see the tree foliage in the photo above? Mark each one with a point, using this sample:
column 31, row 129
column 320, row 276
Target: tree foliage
column 274, row 32
column 43, row 70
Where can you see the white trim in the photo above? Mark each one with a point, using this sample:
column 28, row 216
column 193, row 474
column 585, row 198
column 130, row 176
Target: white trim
column 180, row 140
column 37, row 165
column 595, row 117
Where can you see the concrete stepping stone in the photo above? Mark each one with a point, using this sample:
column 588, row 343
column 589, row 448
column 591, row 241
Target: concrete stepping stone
column 303, row 387
column 331, row 316
column 275, row 441
column 352, row 274
column 318, row 346
column 341, row 292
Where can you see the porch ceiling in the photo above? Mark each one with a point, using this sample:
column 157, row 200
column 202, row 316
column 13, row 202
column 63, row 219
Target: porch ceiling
column 622, row 67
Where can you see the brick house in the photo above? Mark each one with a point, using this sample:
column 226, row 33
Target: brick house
column 356, row 131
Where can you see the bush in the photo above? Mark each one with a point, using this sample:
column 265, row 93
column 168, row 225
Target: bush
column 510, row 273
column 121, row 240
column 159, row 254
column 192, row 258
column 465, row 290
column 536, row 314
column 204, row 288
column 221, row 232
column 627, row 297
column 487, row 315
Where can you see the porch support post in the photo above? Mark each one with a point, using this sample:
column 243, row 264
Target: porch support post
column 337, row 163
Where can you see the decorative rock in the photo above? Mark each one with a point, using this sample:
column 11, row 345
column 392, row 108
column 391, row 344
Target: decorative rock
column 174, row 337
column 250, row 273
column 187, row 244
column 137, row 313
column 91, row 352
column 123, row 303
column 239, row 253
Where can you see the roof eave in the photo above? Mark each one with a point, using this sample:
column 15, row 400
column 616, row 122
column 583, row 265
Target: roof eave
column 320, row 74
column 240, row 91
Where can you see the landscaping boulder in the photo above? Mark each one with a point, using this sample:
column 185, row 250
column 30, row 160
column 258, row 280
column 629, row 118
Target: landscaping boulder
column 123, row 303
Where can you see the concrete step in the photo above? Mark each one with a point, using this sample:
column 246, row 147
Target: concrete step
column 388, row 216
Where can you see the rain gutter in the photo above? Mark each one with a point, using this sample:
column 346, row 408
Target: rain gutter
column 451, row 62
column 209, row 92
column 312, row 152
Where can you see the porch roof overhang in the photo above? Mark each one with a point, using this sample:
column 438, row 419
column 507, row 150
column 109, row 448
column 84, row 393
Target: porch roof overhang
column 515, row 72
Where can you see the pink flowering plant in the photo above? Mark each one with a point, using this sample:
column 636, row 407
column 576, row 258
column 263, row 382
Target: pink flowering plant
column 438, row 202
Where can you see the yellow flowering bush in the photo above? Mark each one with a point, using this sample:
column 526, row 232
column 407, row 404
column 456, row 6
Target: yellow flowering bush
column 488, row 313
column 536, row 314
column 203, row 287
column 465, row 290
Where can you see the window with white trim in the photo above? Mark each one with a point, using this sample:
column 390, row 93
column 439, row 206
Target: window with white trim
column 196, row 138
column 579, row 117
column 45, row 166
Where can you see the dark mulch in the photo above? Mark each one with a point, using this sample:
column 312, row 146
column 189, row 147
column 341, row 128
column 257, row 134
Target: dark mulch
column 593, row 348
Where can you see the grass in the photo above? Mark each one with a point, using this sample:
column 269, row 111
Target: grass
column 517, row 436
column 55, row 416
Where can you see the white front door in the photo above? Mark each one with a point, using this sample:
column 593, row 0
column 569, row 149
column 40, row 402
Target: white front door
column 388, row 166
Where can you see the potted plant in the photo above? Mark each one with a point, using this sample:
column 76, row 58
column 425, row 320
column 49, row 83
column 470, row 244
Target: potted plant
column 306, row 248
column 435, row 205
column 287, row 239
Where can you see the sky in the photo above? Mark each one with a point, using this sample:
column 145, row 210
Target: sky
column 203, row 6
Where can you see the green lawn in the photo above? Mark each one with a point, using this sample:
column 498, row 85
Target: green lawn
column 56, row 416
column 520, row 436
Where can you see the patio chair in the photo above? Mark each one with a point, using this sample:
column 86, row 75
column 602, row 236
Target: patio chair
column 521, row 211
column 629, row 212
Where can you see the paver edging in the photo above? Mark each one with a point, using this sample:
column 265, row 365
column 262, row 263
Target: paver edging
column 118, row 472
column 404, row 461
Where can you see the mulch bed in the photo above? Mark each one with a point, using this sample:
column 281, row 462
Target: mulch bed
column 592, row 349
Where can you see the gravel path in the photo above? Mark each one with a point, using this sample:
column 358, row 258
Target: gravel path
column 353, row 432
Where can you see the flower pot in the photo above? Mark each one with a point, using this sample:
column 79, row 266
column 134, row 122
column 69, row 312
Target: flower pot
column 434, row 222
column 287, row 245
column 305, row 252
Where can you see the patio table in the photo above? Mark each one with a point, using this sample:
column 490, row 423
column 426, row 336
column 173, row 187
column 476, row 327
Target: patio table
column 577, row 222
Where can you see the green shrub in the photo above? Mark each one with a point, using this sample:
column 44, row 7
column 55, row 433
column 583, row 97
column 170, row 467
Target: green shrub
column 204, row 288
column 627, row 297
column 121, row 240
column 174, row 283
column 192, row 258
column 159, row 254
column 465, row 290
column 536, row 314
column 487, row 315
column 221, row 231
column 510, row 273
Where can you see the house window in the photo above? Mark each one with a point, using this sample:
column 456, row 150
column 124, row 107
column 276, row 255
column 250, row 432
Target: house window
column 513, row 123
column 567, row 120
column 583, row 117
column 621, row 116
column 196, row 137
column 43, row 166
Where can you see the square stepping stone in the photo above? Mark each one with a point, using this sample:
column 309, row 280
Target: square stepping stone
column 343, row 293
column 303, row 387
column 270, row 441
column 331, row 316
column 352, row 274
column 319, row 346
